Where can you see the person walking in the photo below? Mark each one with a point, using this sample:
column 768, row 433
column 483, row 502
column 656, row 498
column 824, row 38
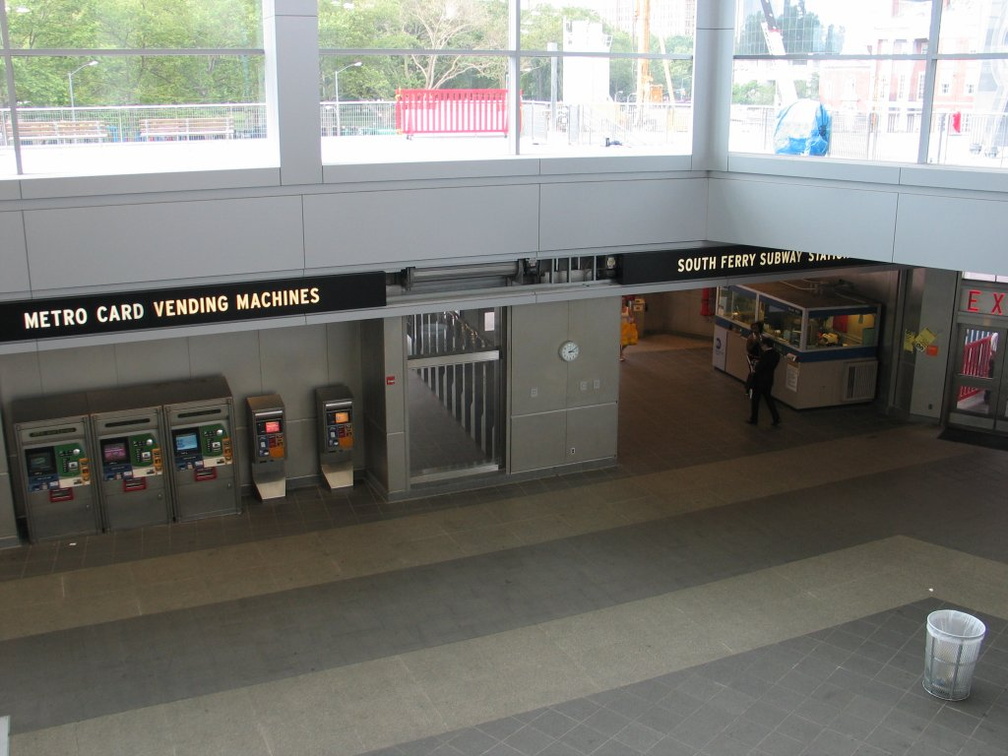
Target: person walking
column 763, row 380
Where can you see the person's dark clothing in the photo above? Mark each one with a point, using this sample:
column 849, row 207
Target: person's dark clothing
column 762, row 384
column 753, row 344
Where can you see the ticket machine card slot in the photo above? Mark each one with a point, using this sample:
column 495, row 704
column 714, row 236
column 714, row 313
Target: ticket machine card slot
column 204, row 474
column 57, row 495
column 134, row 484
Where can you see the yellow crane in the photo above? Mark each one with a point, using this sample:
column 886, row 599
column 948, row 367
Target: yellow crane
column 642, row 28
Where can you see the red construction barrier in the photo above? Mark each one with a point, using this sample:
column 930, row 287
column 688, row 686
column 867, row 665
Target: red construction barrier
column 451, row 111
column 977, row 356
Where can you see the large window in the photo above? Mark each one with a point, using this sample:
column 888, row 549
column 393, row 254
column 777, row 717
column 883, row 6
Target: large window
column 430, row 79
column 864, row 80
column 89, row 74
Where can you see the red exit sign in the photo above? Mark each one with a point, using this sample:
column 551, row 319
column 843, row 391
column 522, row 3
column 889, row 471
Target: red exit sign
column 985, row 302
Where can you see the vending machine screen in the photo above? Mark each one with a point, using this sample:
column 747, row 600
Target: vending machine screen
column 272, row 426
column 114, row 451
column 186, row 442
column 41, row 462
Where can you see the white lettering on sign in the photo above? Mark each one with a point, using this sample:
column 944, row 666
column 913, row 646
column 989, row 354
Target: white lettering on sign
column 813, row 257
column 738, row 261
column 780, row 257
column 282, row 298
column 170, row 308
column 119, row 312
column 55, row 318
column 690, row 264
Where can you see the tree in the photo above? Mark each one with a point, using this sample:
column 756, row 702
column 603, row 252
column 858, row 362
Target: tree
column 459, row 24
column 137, row 25
column 753, row 93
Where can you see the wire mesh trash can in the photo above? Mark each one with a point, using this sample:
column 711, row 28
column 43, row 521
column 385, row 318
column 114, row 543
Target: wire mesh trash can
column 950, row 653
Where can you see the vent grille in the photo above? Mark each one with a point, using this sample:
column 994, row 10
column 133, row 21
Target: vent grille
column 859, row 381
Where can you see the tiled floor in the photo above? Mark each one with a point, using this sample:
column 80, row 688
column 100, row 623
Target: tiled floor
column 725, row 590
column 854, row 688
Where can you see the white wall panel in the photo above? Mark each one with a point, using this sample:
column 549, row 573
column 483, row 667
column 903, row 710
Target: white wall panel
column 130, row 244
column 13, row 254
column 293, row 363
column 68, row 370
column 20, row 376
column 152, row 361
column 952, row 233
column 233, row 355
column 856, row 221
column 177, row 180
column 377, row 228
column 591, row 214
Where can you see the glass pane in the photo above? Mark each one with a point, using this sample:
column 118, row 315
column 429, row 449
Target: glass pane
column 848, row 27
column 8, row 166
column 383, row 113
column 589, row 105
column 166, row 24
column 863, row 117
column 739, row 306
column 781, row 321
column 644, row 27
column 979, row 352
column 77, row 113
column 970, row 125
column 976, row 366
column 971, row 27
column 138, row 80
column 414, row 24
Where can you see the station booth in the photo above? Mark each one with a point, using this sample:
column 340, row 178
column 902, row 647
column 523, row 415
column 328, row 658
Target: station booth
column 123, row 458
column 827, row 336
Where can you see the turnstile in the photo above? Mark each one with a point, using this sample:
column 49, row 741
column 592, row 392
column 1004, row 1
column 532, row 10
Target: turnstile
column 129, row 443
column 199, row 416
column 268, row 430
column 335, row 410
column 54, row 466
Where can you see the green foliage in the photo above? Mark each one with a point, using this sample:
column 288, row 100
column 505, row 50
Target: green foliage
column 150, row 37
column 753, row 93
column 136, row 25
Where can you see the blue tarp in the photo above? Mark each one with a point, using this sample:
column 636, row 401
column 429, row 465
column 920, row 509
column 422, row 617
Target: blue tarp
column 803, row 128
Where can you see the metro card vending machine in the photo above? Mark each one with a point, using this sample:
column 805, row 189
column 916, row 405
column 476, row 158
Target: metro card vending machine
column 199, row 415
column 335, row 413
column 268, row 430
column 54, row 466
column 129, row 447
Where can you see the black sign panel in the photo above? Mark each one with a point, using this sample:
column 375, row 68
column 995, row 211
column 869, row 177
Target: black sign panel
column 167, row 308
column 718, row 262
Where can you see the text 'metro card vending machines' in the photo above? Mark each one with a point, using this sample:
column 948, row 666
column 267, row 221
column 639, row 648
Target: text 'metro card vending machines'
column 55, row 466
column 268, row 431
column 335, row 410
column 199, row 415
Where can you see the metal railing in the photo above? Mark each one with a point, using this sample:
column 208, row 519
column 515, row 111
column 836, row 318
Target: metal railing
column 461, row 369
column 575, row 124
column 887, row 135
column 125, row 123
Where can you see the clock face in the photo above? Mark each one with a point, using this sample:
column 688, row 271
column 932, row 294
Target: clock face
column 569, row 351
